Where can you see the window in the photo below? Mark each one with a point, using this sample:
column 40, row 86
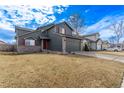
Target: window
column 29, row 42
column 74, row 33
column 62, row 31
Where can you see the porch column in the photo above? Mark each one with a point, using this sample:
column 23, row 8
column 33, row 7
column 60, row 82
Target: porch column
column 81, row 45
column 64, row 44
column 42, row 44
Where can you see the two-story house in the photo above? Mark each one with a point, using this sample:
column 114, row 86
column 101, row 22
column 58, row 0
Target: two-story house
column 92, row 41
column 54, row 37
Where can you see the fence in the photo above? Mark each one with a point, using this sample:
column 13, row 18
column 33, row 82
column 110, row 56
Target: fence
column 7, row 47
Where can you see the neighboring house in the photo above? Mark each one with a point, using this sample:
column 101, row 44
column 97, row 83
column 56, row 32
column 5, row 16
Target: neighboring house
column 120, row 45
column 2, row 42
column 105, row 45
column 92, row 41
column 54, row 37
column 6, row 47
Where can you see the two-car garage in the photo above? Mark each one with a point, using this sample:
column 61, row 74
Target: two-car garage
column 71, row 44
column 74, row 44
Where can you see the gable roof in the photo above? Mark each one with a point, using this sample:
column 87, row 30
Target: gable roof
column 36, row 31
column 42, row 28
column 66, row 24
column 45, row 26
column 22, row 28
column 84, row 38
column 88, row 39
column 69, row 36
column 99, row 40
column 53, row 24
column 90, row 34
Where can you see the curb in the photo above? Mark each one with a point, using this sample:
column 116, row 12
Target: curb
column 122, row 82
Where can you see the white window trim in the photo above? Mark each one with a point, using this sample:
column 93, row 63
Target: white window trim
column 62, row 31
column 74, row 33
column 29, row 42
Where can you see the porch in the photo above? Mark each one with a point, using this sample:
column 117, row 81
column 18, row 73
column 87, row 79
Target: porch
column 29, row 45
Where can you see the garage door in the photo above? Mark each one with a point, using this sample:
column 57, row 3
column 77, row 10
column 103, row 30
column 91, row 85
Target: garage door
column 72, row 45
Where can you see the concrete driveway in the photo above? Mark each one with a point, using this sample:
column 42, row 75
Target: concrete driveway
column 102, row 56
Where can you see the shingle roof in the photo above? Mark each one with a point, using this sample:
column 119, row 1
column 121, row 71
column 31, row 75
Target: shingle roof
column 44, row 27
column 52, row 24
column 69, row 36
column 69, row 25
column 2, row 42
column 22, row 28
column 41, row 28
column 90, row 34
column 33, row 31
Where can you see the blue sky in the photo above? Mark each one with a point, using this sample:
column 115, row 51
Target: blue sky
column 97, row 18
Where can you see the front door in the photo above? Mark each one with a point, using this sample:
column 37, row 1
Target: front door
column 45, row 44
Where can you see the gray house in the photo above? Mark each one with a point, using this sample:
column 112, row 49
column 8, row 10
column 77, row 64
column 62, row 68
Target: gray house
column 92, row 41
column 54, row 37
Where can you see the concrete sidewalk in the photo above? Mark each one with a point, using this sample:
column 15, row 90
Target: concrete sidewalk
column 102, row 56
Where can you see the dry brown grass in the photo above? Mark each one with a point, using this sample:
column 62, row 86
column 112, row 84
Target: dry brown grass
column 111, row 53
column 51, row 70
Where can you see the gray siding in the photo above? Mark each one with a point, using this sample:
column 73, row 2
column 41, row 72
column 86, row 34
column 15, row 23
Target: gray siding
column 20, row 31
column 21, row 42
column 35, row 36
column 73, row 45
column 55, row 43
column 93, row 46
column 67, row 29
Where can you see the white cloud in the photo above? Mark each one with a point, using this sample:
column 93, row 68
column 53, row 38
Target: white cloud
column 23, row 14
column 122, row 39
column 87, row 10
column 105, row 33
column 7, row 26
column 60, row 8
column 103, row 26
column 103, row 23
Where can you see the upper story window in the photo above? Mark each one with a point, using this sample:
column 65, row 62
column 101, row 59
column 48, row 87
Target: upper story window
column 74, row 33
column 62, row 31
column 97, row 36
column 29, row 42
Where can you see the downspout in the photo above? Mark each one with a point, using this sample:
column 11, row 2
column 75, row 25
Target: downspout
column 41, row 44
column 17, row 46
column 96, row 45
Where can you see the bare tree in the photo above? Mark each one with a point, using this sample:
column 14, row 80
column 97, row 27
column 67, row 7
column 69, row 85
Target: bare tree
column 118, row 29
column 77, row 22
column 112, row 39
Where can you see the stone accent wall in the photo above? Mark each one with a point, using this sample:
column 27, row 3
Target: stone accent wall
column 7, row 47
column 28, row 49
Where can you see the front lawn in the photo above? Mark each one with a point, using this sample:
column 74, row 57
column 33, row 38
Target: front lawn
column 52, row 70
